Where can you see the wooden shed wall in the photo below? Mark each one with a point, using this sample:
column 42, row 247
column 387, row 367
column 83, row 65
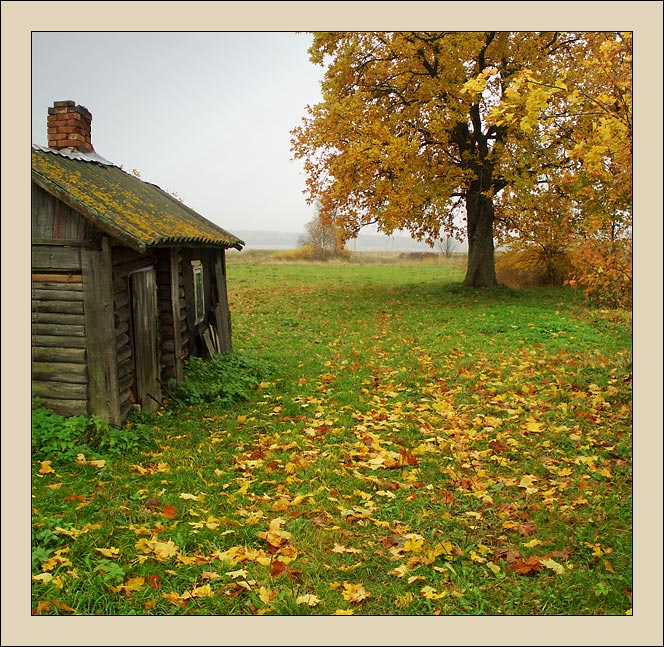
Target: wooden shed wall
column 59, row 358
column 59, row 353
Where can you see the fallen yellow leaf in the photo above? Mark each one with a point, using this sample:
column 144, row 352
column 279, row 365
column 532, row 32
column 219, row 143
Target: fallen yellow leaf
column 354, row 592
column 554, row 566
column 204, row 591
column 45, row 468
column 108, row 552
column 267, row 595
column 308, row 599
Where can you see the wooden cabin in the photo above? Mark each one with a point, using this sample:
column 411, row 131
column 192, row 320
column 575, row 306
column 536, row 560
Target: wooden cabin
column 127, row 281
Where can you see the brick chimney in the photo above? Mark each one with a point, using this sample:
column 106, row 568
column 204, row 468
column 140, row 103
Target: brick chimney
column 69, row 125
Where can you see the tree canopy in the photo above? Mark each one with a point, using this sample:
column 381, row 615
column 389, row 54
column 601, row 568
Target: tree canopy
column 528, row 133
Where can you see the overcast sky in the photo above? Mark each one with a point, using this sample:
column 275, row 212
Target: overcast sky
column 206, row 115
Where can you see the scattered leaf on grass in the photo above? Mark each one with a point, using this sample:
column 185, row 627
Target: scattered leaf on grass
column 109, row 552
column 45, row 468
column 81, row 460
column 354, row 593
column 162, row 550
column 554, row 566
column 308, row 599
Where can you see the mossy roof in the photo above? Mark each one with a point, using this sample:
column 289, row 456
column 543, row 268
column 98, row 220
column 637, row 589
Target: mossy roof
column 138, row 213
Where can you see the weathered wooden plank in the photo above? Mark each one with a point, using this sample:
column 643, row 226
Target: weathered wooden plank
column 56, row 257
column 126, row 369
column 222, row 314
column 121, row 329
column 60, row 372
column 58, row 330
column 121, row 299
column 67, row 355
column 62, row 307
column 57, row 295
column 176, row 312
column 103, row 391
column 60, row 221
column 57, row 318
column 58, row 341
column 122, row 340
column 124, row 382
column 207, row 338
column 59, row 390
column 74, row 223
column 54, row 281
column 126, row 406
column 121, row 316
column 52, row 218
column 123, row 353
column 65, row 242
column 146, row 357
column 68, row 407
column 43, row 209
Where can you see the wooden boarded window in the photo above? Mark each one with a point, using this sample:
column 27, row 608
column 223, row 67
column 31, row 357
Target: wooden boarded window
column 199, row 291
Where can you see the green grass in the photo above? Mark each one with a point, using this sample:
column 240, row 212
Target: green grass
column 412, row 447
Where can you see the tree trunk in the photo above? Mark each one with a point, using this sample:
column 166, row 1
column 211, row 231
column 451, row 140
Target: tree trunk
column 481, row 271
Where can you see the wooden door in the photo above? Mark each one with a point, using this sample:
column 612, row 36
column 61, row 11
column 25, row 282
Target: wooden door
column 146, row 350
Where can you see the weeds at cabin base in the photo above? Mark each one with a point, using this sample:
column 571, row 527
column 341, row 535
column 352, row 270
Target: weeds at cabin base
column 382, row 441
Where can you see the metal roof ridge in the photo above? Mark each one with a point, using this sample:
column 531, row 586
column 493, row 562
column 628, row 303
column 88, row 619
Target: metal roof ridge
column 75, row 154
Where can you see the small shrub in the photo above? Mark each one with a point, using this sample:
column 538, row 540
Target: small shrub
column 225, row 379
column 532, row 267
column 603, row 270
column 134, row 437
column 63, row 438
column 54, row 436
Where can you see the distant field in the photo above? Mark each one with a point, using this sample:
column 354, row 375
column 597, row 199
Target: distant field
column 366, row 242
column 259, row 256
column 408, row 447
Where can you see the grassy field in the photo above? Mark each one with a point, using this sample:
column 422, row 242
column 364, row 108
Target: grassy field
column 399, row 445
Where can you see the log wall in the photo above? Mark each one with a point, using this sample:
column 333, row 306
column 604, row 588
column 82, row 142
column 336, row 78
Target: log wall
column 59, row 369
column 174, row 339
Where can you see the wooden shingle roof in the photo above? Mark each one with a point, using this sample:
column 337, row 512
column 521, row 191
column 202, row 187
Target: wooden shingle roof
column 138, row 213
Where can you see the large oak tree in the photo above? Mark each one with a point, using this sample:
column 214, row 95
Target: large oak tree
column 414, row 126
